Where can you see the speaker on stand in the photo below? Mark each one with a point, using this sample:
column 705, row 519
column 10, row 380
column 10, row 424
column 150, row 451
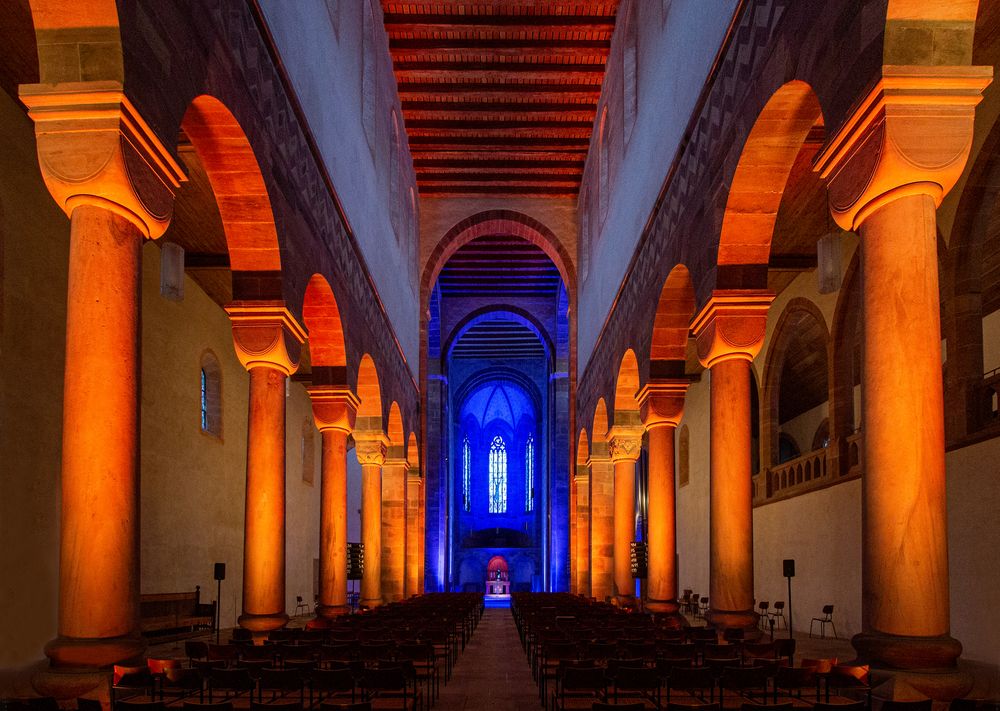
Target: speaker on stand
column 220, row 575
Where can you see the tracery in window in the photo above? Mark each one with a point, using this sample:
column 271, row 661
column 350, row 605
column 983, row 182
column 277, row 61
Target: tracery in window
column 498, row 476
column 466, row 475
column 529, row 475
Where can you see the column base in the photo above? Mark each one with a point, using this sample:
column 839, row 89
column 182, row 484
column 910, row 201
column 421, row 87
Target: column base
column 72, row 684
column 90, row 654
column 928, row 664
column 262, row 623
column 370, row 602
column 745, row 620
column 327, row 613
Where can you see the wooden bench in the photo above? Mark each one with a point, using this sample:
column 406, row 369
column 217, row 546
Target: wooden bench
column 180, row 613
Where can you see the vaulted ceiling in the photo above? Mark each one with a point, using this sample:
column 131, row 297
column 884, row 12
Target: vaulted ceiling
column 499, row 98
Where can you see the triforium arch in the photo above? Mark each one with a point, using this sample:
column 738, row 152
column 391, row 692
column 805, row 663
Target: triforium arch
column 241, row 194
column 671, row 325
column 758, row 185
column 800, row 342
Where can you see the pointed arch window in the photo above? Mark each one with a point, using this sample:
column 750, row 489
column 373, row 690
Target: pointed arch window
column 498, row 476
column 466, row 475
column 529, row 475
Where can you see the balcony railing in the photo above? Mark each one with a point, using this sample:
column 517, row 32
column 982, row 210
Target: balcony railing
column 811, row 471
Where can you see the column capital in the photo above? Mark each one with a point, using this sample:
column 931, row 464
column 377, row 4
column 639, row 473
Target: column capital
column 266, row 335
column 95, row 148
column 911, row 134
column 731, row 325
column 661, row 402
column 625, row 442
column 370, row 448
column 334, row 407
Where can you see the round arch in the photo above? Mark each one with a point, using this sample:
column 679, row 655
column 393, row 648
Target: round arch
column 370, row 396
column 758, row 184
column 599, row 425
column 582, row 448
column 240, row 192
column 395, row 427
column 626, row 387
column 413, row 452
column 800, row 320
column 321, row 316
column 495, row 313
column 497, row 222
column 674, row 311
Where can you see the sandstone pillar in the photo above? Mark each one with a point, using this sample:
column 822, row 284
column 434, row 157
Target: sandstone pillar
column 414, row 584
column 888, row 169
column 624, row 446
column 661, row 404
column 114, row 178
column 730, row 332
column 582, row 541
column 267, row 340
column 394, row 489
column 370, row 448
column 334, row 410
column 602, row 521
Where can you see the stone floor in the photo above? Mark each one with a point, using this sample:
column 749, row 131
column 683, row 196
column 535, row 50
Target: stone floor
column 492, row 674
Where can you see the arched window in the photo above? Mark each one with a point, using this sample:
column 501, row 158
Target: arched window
column 211, row 395
column 529, row 475
column 498, row 476
column 466, row 475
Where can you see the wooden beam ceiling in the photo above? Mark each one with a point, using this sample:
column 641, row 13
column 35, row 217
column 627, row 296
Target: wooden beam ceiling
column 499, row 98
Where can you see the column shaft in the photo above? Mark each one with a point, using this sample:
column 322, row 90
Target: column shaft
column 371, row 533
column 662, row 571
column 602, row 517
column 904, row 526
column 413, row 501
column 99, row 543
column 731, row 527
column 393, row 529
column 264, row 525
column 583, row 536
column 624, row 530
column 333, row 526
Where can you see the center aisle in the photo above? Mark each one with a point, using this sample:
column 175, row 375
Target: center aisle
column 492, row 672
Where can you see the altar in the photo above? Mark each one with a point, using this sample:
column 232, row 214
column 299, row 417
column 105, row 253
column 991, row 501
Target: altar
column 497, row 578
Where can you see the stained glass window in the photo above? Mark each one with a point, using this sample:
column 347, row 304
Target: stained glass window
column 204, row 399
column 529, row 475
column 498, row 476
column 466, row 475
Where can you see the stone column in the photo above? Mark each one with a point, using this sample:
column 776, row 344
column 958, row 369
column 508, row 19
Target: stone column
column 334, row 410
column 414, row 584
column 267, row 340
column 582, row 542
column 115, row 180
column 602, row 522
column 370, row 447
column 730, row 332
column 573, row 539
column 624, row 446
column 394, row 489
column 661, row 404
column 888, row 169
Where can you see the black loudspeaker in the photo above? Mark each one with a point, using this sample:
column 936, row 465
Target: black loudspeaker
column 220, row 571
column 788, row 566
